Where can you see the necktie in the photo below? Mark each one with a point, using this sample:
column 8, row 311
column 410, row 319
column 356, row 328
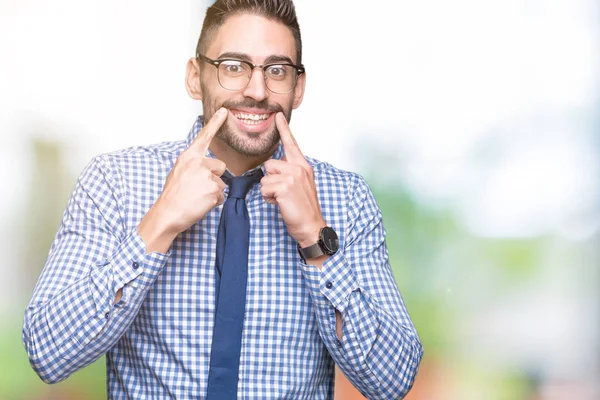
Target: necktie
column 231, row 275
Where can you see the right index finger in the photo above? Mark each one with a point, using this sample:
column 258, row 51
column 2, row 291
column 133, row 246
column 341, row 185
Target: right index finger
column 205, row 136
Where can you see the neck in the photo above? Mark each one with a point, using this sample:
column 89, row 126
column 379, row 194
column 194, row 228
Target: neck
column 237, row 163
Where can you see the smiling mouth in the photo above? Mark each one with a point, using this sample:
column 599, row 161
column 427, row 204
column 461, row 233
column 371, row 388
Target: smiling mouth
column 251, row 118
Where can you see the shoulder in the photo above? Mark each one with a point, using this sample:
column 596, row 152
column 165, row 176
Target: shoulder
column 329, row 177
column 136, row 167
column 159, row 153
column 347, row 202
column 137, row 158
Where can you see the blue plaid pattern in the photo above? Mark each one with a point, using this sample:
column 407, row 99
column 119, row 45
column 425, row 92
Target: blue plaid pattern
column 157, row 338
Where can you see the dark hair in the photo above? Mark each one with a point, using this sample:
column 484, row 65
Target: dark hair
column 278, row 10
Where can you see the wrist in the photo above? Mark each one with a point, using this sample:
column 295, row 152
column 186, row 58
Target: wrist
column 157, row 235
column 312, row 236
column 326, row 244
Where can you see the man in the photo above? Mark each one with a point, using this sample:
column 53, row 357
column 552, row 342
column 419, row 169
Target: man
column 195, row 288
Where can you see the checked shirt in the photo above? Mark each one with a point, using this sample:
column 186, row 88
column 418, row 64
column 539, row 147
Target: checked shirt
column 157, row 338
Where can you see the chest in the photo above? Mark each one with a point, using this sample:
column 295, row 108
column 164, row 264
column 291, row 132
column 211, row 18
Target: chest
column 183, row 295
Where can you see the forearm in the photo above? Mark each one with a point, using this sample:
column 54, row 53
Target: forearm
column 60, row 338
column 318, row 263
column 156, row 233
column 380, row 353
column 72, row 328
column 377, row 351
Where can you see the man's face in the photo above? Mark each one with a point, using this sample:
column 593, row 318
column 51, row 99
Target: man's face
column 250, row 126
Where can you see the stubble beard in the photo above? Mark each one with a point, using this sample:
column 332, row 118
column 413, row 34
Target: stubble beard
column 251, row 144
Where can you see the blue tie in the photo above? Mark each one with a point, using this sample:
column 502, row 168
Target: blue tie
column 231, row 275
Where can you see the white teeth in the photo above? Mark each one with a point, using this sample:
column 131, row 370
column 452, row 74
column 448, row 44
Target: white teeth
column 252, row 117
column 250, row 122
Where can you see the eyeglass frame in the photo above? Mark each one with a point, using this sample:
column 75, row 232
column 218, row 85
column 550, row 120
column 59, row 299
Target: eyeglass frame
column 216, row 63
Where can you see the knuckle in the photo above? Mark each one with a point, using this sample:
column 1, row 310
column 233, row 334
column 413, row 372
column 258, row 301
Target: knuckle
column 307, row 169
column 190, row 160
column 214, row 197
column 205, row 174
column 221, row 165
column 298, row 171
column 215, row 164
column 184, row 157
column 214, row 188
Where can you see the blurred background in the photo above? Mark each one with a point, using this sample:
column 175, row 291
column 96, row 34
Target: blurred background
column 476, row 123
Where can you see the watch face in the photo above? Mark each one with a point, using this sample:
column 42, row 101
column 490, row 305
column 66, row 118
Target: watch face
column 330, row 240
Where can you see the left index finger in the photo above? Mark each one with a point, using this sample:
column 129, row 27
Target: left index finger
column 290, row 146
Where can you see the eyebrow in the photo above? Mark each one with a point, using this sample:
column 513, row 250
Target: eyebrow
column 244, row 57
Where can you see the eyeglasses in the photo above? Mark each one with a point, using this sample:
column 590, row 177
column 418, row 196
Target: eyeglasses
column 235, row 74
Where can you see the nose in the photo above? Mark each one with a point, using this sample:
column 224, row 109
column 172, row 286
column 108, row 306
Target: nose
column 256, row 88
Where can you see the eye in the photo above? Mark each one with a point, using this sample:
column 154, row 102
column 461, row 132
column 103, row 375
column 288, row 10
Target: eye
column 277, row 71
column 232, row 67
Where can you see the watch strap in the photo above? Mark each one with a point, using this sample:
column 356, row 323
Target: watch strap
column 312, row 251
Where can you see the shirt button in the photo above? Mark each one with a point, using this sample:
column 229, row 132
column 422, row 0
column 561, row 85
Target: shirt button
column 106, row 315
column 329, row 285
column 339, row 343
column 135, row 265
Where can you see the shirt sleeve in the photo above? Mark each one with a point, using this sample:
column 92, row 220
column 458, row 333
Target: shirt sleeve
column 380, row 350
column 72, row 320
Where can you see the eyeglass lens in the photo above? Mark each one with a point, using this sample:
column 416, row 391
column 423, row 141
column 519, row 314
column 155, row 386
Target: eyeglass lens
column 235, row 75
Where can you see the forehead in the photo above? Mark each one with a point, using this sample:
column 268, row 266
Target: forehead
column 256, row 36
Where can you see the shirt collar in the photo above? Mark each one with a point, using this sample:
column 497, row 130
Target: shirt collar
column 197, row 127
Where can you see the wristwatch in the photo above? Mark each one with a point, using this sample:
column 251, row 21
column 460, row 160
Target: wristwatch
column 327, row 244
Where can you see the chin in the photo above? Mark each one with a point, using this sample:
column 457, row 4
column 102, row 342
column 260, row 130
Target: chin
column 250, row 144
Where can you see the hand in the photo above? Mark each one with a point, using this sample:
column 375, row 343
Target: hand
column 193, row 188
column 290, row 184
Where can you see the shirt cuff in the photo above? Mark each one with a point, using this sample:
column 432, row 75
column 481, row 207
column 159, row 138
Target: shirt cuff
column 333, row 283
column 130, row 262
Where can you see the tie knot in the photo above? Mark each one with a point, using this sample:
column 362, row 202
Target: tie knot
column 240, row 185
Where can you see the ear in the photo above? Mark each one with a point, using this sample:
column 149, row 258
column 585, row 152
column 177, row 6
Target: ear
column 192, row 79
column 299, row 91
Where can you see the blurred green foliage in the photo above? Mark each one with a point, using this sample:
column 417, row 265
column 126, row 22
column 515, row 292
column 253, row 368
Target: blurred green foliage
column 415, row 237
column 50, row 186
column 18, row 381
column 434, row 259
